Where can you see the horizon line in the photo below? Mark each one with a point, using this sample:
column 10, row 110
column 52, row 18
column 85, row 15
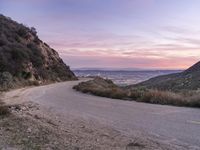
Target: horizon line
column 126, row 69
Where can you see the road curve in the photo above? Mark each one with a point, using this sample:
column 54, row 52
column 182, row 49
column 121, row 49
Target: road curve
column 177, row 125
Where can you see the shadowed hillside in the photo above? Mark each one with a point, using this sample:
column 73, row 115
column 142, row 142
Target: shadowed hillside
column 25, row 59
column 186, row 80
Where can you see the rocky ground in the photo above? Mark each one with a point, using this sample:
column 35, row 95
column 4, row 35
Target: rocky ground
column 31, row 127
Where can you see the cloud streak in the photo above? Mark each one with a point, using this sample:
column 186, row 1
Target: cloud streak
column 115, row 33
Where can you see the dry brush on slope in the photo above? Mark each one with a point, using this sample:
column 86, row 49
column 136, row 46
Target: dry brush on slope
column 106, row 88
column 25, row 59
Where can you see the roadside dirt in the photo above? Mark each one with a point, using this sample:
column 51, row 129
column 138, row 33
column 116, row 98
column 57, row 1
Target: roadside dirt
column 31, row 127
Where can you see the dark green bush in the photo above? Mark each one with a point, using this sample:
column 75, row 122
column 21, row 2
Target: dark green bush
column 26, row 75
column 22, row 31
column 19, row 54
column 6, row 80
column 35, row 55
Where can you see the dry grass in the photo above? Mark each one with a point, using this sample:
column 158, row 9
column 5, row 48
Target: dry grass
column 101, row 87
column 106, row 88
column 158, row 97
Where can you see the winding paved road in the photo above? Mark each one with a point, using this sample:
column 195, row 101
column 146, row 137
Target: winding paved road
column 177, row 125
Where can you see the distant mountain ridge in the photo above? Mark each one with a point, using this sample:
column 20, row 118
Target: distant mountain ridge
column 186, row 80
column 25, row 58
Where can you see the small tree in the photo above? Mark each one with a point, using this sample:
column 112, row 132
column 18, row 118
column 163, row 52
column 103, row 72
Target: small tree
column 33, row 31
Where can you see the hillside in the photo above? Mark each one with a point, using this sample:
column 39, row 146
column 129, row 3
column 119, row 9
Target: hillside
column 186, row 80
column 25, row 59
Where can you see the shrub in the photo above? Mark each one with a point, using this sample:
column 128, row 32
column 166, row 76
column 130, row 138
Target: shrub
column 194, row 100
column 37, row 40
column 22, row 31
column 102, row 87
column 33, row 31
column 191, row 99
column 4, row 110
column 34, row 83
column 161, row 97
column 26, row 75
column 35, row 55
column 6, row 80
column 17, row 38
column 137, row 93
column 19, row 54
column 118, row 93
column 3, row 62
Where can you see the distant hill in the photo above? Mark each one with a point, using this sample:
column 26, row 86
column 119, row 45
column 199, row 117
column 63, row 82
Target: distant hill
column 194, row 69
column 24, row 58
column 186, row 80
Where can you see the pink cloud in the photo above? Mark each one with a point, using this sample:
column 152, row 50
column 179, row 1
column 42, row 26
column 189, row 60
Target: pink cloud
column 79, row 59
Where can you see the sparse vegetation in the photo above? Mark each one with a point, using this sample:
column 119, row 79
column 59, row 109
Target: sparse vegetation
column 186, row 80
column 165, row 98
column 4, row 110
column 101, row 87
column 6, row 81
column 22, row 31
column 25, row 57
column 106, row 88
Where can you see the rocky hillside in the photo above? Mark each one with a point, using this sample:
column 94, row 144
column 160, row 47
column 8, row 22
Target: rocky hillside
column 24, row 58
column 186, row 80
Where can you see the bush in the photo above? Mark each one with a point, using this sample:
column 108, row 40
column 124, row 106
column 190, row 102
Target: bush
column 33, row 31
column 6, row 81
column 35, row 55
column 19, row 54
column 136, row 93
column 194, row 100
column 34, row 83
column 160, row 97
column 118, row 93
column 4, row 110
column 22, row 31
column 26, row 75
column 102, row 87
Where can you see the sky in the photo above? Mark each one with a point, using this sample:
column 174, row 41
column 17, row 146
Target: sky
column 145, row 34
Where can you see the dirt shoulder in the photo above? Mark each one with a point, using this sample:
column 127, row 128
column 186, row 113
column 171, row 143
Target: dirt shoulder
column 31, row 127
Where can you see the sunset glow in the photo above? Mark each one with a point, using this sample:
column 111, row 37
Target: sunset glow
column 148, row 34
